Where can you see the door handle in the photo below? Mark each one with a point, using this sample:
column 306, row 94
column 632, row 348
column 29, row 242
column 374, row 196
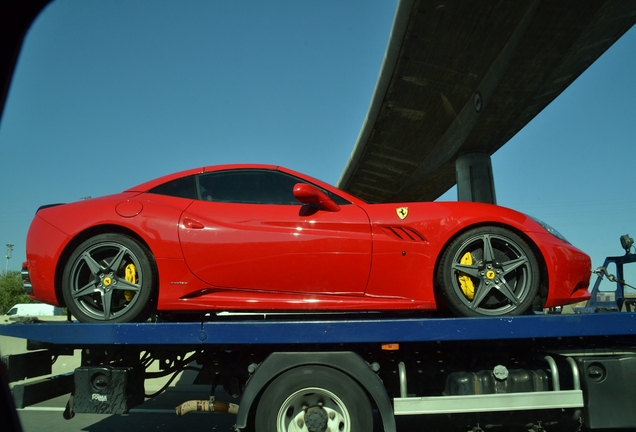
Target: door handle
column 192, row 224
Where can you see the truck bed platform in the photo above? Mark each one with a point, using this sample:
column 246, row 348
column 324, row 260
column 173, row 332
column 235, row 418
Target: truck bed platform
column 314, row 331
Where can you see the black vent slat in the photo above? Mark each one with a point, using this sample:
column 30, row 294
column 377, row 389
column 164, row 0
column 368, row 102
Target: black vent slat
column 403, row 233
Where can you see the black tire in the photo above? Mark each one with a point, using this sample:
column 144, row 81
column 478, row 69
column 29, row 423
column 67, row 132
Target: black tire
column 330, row 400
column 498, row 265
column 94, row 283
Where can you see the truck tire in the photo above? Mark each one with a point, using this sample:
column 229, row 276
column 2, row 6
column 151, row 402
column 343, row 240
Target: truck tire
column 313, row 399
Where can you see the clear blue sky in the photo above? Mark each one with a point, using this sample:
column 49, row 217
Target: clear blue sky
column 108, row 94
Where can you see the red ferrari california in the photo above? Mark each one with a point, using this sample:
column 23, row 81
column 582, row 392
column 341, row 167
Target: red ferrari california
column 264, row 238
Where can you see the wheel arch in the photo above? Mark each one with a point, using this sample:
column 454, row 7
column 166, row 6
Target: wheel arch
column 81, row 237
column 543, row 269
column 346, row 362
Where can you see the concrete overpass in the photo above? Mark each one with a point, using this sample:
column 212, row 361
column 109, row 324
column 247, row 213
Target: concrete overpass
column 459, row 79
column 462, row 77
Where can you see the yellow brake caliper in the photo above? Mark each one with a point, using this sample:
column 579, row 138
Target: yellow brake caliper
column 131, row 276
column 465, row 281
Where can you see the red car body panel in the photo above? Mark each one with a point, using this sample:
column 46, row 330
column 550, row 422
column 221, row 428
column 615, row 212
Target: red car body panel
column 229, row 256
column 317, row 254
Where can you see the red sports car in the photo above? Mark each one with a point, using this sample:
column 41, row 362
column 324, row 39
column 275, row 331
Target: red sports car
column 265, row 238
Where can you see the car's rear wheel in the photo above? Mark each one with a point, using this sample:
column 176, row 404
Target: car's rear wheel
column 488, row 271
column 110, row 278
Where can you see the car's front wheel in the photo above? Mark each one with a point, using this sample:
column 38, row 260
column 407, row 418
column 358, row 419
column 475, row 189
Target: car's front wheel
column 488, row 271
column 109, row 278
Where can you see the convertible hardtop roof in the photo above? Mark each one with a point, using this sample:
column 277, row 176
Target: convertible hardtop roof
column 146, row 186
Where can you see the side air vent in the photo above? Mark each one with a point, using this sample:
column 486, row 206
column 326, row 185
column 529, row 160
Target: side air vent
column 403, row 233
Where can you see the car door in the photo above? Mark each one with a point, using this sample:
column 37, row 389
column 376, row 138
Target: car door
column 248, row 231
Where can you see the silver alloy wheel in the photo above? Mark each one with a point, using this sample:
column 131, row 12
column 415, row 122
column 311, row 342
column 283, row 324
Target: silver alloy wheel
column 489, row 271
column 98, row 283
column 109, row 278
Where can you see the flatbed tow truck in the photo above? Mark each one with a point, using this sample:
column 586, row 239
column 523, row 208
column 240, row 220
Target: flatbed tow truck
column 327, row 374
column 357, row 372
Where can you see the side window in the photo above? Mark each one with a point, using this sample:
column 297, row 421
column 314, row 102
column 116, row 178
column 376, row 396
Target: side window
column 336, row 198
column 248, row 187
column 184, row 187
column 251, row 187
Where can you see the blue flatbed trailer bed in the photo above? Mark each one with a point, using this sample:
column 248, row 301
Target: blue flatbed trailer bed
column 312, row 331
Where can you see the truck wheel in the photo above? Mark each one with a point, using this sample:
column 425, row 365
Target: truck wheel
column 314, row 399
column 109, row 278
column 488, row 271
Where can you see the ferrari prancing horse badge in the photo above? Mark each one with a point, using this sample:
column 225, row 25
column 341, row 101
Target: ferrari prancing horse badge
column 402, row 212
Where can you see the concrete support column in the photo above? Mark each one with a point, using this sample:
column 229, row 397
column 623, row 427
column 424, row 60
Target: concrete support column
column 475, row 181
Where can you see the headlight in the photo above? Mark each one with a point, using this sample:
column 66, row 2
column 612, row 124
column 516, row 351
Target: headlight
column 549, row 229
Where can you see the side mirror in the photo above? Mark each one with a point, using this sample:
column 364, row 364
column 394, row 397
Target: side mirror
column 308, row 194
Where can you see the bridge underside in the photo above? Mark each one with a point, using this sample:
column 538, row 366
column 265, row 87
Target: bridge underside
column 459, row 77
column 464, row 76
